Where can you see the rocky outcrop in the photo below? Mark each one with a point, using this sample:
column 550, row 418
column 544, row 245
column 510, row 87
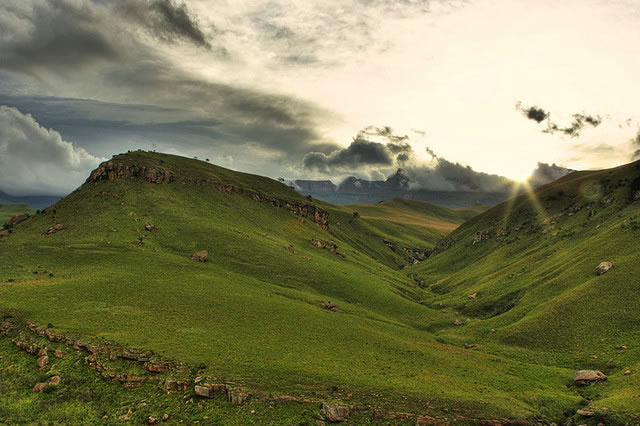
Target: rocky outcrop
column 18, row 218
column 603, row 268
column 55, row 228
column 588, row 377
column 110, row 170
column 481, row 236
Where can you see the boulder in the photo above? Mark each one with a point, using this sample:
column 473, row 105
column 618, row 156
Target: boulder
column 43, row 361
column 627, row 373
column 473, row 296
column 4, row 233
column 54, row 381
column 334, row 412
column 585, row 413
column 210, row 390
column 39, row 387
column 458, row 323
column 200, row 256
column 55, row 228
column 588, row 377
column 604, row 267
column 236, row 397
column 149, row 227
column 331, row 306
column 18, row 218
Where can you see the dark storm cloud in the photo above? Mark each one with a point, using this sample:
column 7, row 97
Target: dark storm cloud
column 573, row 130
column 165, row 19
column 52, row 35
column 545, row 173
column 363, row 152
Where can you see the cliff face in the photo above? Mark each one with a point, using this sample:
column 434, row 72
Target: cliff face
column 156, row 175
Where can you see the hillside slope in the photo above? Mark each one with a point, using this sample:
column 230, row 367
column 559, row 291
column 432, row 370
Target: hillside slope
column 527, row 270
column 303, row 298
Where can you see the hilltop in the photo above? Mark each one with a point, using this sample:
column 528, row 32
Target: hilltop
column 300, row 301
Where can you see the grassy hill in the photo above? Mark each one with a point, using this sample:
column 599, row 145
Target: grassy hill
column 255, row 314
column 8, row 210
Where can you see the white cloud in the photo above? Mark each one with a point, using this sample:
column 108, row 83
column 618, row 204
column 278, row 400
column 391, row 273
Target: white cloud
column 36, row 161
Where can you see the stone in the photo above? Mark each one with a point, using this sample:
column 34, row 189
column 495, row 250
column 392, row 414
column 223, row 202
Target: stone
column 588, row 377
column 39, row 387
column 458, row 323
column 4, row 233
column 43, row 361
column 334, row 412
column 603, row 267
column 621, row 346
column 200, row 256
column 156, row 367
column 331, row 306
column 473, row 296
column 585, row 413
column 152, row 420
column 236, row 397
column 492, row 331
column 13, row 221
column 54, row 381
column 59, row 353
column 627, row 373
column 210, row 390
column 149, row 227
column 470, row 345
column 170, row 385
column 318, row 243
column 53, row 229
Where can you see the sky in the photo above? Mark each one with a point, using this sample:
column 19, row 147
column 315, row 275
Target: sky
column 460, row 94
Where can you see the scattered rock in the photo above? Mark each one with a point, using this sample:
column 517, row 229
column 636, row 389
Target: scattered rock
column 126, row 416
column 621, row 346
column 594, row 356
column 458, row 323
column 156, row 367
column 4, row 233
column 236, row 397
column 334, row 412
column 54, row 381
column 290, row 248
column 43, row 361
column 604, row 267
column 627, row 373
column 588, row 377
column 473, row 296
column 152, row 420
column 492, row 331
column 13, row 221
column 200, row 256
column 39, row 387
column 585, row 413
column 470, row 345
column 331, row 306
column 53, row 229
column 210, row 390
column 149, row 227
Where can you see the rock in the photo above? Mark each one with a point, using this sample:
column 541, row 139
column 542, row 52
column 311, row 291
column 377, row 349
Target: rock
column 53, row 229
column 458, row 323
column 585, row 413
column 627, row 373
column 603, row 267
column 210, row 390
column 170, row 385
column 473, row 296
column 54, row 381
column 588, row 377
column 236, row 397
column 334, row 412
column 4, row 233
column 156, row 367
column 59, row 353
column 149, row 227
column 39, row 387
column 470, row 345
column 290, row 248
column 200, row 256
column 13, row 221
column 621, row 346
column 492, row 331
column 43, row 361
column 126, row 416
column 152, row 420
column 331, row 306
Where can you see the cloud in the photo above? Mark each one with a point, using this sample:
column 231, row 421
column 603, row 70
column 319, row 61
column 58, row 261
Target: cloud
column 164, row 19
column 37, row 161
column 363, row 153
column 573, row 130
column 636, row 146
column 545, row 173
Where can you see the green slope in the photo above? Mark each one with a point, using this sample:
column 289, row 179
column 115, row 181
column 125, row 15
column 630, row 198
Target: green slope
column 253, row 313
column 8, row 210
column 534, row 277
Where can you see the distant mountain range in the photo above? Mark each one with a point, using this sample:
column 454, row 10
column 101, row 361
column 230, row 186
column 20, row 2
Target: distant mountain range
column 37, row 202
column 361, row 191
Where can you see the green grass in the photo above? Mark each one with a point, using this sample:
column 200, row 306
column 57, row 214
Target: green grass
column 11, row 209
column 253, row 313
